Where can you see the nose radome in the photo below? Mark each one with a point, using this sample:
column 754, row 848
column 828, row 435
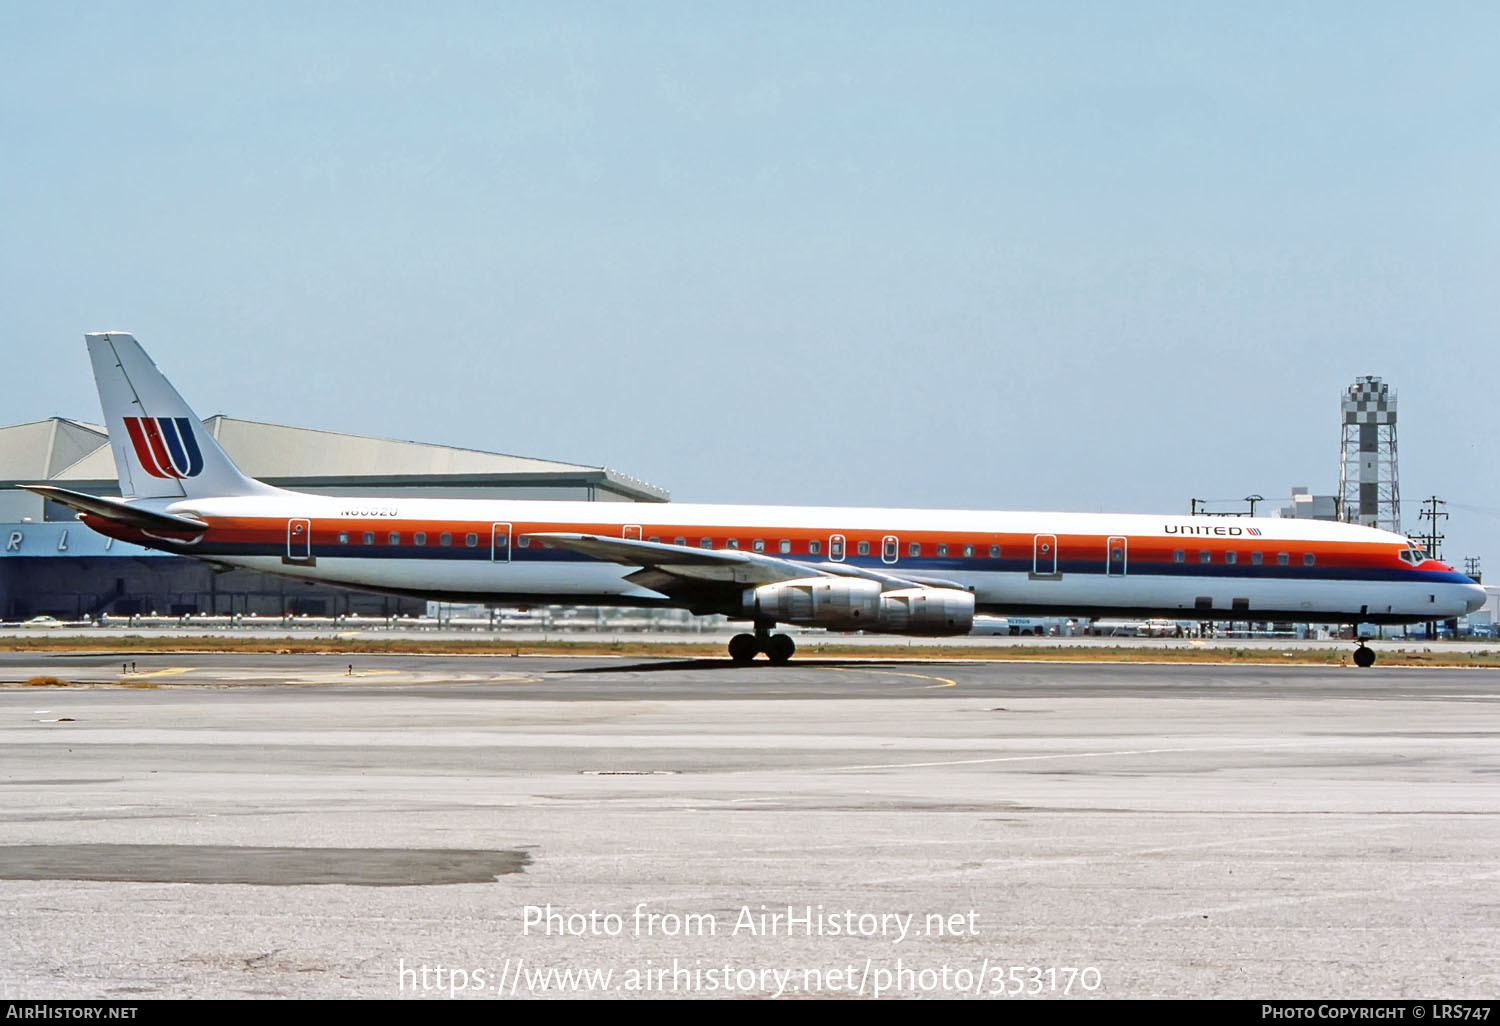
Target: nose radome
column 1474, row 597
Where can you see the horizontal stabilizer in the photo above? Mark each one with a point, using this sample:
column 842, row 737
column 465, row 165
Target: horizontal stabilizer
column 118, row 511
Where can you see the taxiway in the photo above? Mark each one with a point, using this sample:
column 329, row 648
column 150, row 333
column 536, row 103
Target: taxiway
column 234, row 825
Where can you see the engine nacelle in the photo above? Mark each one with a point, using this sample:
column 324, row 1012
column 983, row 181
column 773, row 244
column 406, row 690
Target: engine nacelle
column 852, row 603
column 847, row 603
column 927, row 611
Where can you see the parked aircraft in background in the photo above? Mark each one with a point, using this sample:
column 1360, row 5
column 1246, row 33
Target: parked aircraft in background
column 897, row 571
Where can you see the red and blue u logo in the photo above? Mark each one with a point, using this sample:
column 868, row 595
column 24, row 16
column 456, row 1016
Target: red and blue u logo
column 165, row 446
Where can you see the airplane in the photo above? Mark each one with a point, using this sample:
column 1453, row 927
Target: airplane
column 895, row 571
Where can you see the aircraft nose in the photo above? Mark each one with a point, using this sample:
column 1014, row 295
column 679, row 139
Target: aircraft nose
column 1474, row 597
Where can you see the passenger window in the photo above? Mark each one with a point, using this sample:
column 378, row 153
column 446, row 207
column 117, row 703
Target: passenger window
column 994, row 552
column 1307, row 559
column 343, row 537
column 1257, row 558
column 394, row 538
column 1178, row 556
column 705, row 543
column 784, row 546
column 679, row 541
column 471, row 540
column 836, row 548
column 1282, row 559
column 968, row 552
column 813, row 548
column 759, row 545
column 732, row 543
column 523, row 541
column 445, row 538
column 501, row 540
column 1231, row 557
column 654, row 538
column 863, row 548
column 1204, row 556
column 942, row 550
column 914, row 549
column 420, row 538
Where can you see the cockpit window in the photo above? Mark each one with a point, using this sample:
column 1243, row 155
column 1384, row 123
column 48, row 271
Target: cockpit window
column 1413, row 554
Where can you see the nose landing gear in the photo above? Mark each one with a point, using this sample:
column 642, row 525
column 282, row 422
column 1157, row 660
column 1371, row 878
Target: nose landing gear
column 1363, row 656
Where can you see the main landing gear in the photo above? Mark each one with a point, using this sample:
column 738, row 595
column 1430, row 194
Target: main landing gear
column 1363, row 656
column 777, row 647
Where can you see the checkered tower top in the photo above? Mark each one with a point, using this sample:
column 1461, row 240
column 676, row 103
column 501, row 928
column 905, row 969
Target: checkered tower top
column 1369, row 401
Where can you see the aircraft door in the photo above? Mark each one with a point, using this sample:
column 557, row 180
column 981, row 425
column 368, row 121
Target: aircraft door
column 1044, row 555
column 836, row 548
column 500, row 543
column 299, row 541
column 890, row 549
column 631, row 532
column 1115, row 557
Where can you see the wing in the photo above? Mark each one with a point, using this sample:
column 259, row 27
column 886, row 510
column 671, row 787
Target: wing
column 663, row 564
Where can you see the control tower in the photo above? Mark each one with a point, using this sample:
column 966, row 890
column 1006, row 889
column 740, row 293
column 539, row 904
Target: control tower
column 1369, row 492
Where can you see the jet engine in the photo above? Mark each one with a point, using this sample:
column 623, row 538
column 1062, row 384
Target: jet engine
column 847, row 603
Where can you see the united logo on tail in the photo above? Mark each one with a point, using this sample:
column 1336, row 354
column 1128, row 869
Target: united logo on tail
column 165, row 446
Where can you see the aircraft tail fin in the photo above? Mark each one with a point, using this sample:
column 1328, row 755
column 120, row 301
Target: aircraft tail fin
column 161, row 449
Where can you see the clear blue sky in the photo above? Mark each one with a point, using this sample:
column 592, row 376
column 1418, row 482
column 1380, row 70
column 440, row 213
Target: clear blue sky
column 1058, row 256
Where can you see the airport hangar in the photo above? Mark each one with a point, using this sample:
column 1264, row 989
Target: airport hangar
column 52, row 565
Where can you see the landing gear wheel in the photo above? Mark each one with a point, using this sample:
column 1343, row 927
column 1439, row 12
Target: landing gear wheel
column 742, row 648
column 779, row 648
column 1364, row 657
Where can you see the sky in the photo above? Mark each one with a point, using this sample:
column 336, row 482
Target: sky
column 1073, row 256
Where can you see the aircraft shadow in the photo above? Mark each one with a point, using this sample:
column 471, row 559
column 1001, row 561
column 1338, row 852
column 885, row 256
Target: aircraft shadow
column 668, row 666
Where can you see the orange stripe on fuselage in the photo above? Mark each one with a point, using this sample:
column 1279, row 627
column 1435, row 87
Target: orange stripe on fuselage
column 1069, row 547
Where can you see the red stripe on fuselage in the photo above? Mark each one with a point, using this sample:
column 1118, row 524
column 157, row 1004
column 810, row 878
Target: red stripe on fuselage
column 1013, row 546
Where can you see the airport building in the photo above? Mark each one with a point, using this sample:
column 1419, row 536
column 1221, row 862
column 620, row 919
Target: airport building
column 50, row 564
column 1305, row 505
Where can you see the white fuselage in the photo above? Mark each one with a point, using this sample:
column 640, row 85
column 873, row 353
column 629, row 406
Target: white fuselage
column 1075, row 563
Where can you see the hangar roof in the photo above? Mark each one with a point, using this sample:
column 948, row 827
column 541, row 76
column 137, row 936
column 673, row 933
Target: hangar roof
column 41, row 448
column 77, row 453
